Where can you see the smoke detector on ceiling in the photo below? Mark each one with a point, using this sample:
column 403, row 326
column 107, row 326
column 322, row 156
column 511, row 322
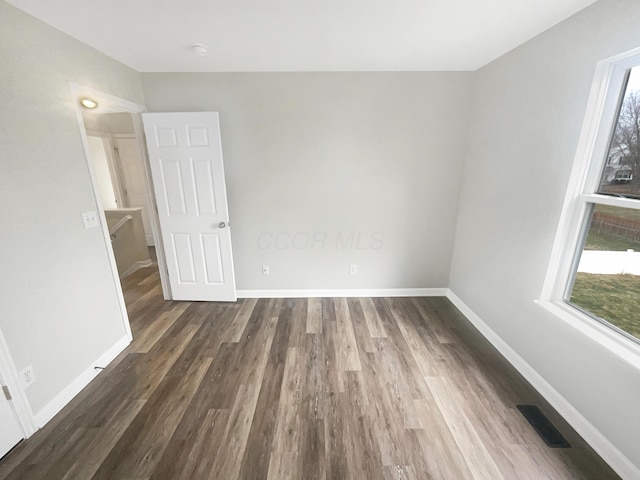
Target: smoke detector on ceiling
column 200, row 49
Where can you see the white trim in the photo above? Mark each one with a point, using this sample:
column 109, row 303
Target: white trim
column 609, row 452
column 343, row 293
column 63, row 398
column 136, row 266
column 611, row 201
column 573, row 212
column 19, row 401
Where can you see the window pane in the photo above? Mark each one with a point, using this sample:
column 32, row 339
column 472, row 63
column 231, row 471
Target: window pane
column 621, row 175
column 607, row 282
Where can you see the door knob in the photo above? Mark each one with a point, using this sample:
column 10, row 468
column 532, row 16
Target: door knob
column 222, row 225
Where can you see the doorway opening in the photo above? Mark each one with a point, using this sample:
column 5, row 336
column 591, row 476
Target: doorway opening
column 118, row 167
column 117, row 160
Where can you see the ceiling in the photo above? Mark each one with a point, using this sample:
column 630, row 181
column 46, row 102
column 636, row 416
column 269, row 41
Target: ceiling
column 303, row 35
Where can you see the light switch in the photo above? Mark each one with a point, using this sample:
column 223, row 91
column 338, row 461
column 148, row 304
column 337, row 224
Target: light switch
column 90, row 219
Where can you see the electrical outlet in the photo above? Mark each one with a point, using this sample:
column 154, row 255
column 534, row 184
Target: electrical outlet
column 27, row 376
column 353, row 269
column 90, row 219
column 265, row 269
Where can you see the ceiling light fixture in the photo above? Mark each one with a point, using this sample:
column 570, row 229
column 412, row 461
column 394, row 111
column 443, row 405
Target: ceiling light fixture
column 88, row 103
column 200, row 49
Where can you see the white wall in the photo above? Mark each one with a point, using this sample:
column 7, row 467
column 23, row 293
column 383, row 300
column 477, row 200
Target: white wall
column 59, row 304
column 101, row 172
column 313, row 160
column 528, row 111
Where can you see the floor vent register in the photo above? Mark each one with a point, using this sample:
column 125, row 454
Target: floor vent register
column 541, row 424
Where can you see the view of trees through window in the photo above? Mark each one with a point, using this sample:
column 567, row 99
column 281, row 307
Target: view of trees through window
column 607, row 281
column 621, row 175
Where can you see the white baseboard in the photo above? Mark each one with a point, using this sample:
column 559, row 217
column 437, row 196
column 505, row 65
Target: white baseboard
column 136, row 266
column 342, row 293
column 64, row 397
column 614, row 457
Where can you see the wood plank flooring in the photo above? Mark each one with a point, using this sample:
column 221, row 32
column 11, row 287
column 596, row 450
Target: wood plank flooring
column 332, row 388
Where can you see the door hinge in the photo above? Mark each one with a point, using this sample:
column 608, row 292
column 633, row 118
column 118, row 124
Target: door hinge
column 7, row 394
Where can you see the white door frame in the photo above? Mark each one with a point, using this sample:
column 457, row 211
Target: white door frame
column 112, row 104
column 114, row 150
column 149, row 196
column 114, row 166
column 9, row 376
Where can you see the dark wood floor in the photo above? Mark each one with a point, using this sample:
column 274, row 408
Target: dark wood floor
column 299, row 389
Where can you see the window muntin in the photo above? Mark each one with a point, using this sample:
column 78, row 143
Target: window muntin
column 605, row 282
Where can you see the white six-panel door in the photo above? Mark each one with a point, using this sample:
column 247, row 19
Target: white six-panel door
column 185, row 155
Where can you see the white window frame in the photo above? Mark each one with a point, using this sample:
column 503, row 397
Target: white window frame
column 601, row 116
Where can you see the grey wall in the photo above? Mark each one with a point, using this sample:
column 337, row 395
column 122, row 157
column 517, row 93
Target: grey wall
column 527, row 115
column 59, row 308
column 315, row 161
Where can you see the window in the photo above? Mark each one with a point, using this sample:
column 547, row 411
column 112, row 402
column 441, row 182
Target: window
column 593, row 280
column 605, row 279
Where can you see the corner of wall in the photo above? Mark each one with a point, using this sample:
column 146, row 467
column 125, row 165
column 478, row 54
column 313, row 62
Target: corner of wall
column 612, row 455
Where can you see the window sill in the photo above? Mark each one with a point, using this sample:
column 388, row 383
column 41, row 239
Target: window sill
column 620, row 346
